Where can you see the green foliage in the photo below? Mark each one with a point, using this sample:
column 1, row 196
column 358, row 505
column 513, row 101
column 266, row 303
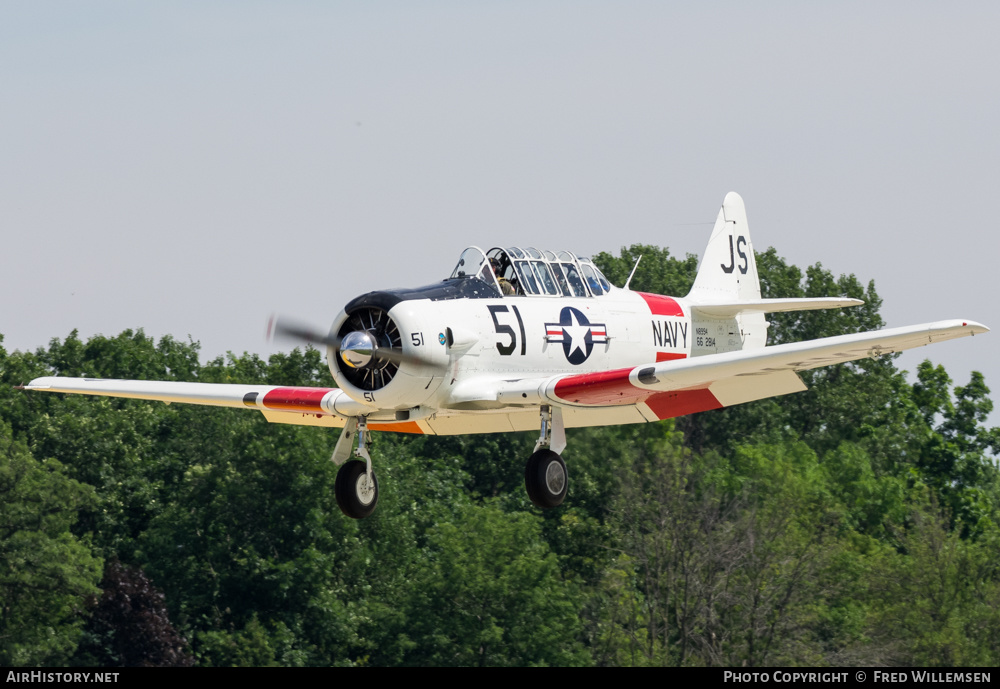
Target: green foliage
column 251, row 646
column 658, row 272
column 46, row 573
column 872, row 504
column 255, row 520
column 492, row 595
column 936, row 602
column 956, row 457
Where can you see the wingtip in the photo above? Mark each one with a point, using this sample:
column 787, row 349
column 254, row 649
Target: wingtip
column 43, row 383
column 964, row 325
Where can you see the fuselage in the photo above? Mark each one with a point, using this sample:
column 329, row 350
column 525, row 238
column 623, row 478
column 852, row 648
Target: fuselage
column 467, row 336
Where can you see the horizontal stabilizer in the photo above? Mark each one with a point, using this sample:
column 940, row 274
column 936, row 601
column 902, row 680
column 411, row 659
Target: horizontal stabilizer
column 732, row 309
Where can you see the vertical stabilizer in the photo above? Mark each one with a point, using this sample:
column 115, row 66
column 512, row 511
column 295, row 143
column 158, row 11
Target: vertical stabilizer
column 727, row 275
column 728, row 270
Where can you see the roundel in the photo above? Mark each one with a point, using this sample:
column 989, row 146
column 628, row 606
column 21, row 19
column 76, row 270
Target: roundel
column 576, row 334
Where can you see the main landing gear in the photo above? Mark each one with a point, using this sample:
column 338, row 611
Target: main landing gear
column 356, row 487
column 545, row 476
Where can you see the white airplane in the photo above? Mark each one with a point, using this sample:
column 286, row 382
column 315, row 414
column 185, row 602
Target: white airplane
column 520, row 339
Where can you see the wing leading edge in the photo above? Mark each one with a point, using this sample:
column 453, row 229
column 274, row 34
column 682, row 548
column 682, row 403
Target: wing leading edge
column 279, row 404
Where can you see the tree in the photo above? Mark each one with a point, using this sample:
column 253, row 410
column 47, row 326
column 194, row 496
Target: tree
column 956, row 455
column 724, row 557
column 130, row 626
column 46, row 573
column 490, row 594
column 253, row 532
column 936, row 602
column 658, row 272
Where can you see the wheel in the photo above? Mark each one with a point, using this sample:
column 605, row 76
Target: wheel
column 546, row 479
column 355, row 495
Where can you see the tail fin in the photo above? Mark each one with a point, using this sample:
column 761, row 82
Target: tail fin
column 727, row 276
column 728, row 270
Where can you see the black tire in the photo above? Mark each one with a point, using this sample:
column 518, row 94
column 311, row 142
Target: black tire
column 546, row 479
column 351, row 490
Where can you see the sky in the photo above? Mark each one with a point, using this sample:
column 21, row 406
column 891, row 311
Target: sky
column 190, row 168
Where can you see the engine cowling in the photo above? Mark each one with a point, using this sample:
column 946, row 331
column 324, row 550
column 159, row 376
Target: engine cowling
column 385, row 359
column 365, row 331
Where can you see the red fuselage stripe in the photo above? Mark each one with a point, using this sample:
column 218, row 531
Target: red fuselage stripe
column 660, row 305
column 669, row 356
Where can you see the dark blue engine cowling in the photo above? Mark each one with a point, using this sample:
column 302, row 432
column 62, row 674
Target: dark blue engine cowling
column 446, row 289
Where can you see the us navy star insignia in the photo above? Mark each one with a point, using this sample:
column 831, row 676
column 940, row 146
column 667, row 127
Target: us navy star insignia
column 576, row 334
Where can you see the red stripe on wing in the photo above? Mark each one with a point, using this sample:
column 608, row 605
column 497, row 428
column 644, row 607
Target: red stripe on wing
column 667, row 405
column 613, row 388
column 305, row 400
column 602, row 388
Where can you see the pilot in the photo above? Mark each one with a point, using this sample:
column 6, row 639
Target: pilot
column 505, row 287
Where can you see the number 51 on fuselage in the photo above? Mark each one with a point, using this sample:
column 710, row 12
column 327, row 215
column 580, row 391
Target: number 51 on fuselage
column 520, row 339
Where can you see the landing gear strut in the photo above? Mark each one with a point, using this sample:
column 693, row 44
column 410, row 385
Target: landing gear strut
column 356, row 487
column 545, row 476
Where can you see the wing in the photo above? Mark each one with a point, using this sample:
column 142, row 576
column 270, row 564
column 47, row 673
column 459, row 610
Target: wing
column 628, row 395
column 293, row 405
column 674, row 388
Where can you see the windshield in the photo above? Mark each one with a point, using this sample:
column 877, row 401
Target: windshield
column 474, row 264
column 529, row 272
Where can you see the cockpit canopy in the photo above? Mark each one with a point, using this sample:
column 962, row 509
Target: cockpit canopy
column 529, row 272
